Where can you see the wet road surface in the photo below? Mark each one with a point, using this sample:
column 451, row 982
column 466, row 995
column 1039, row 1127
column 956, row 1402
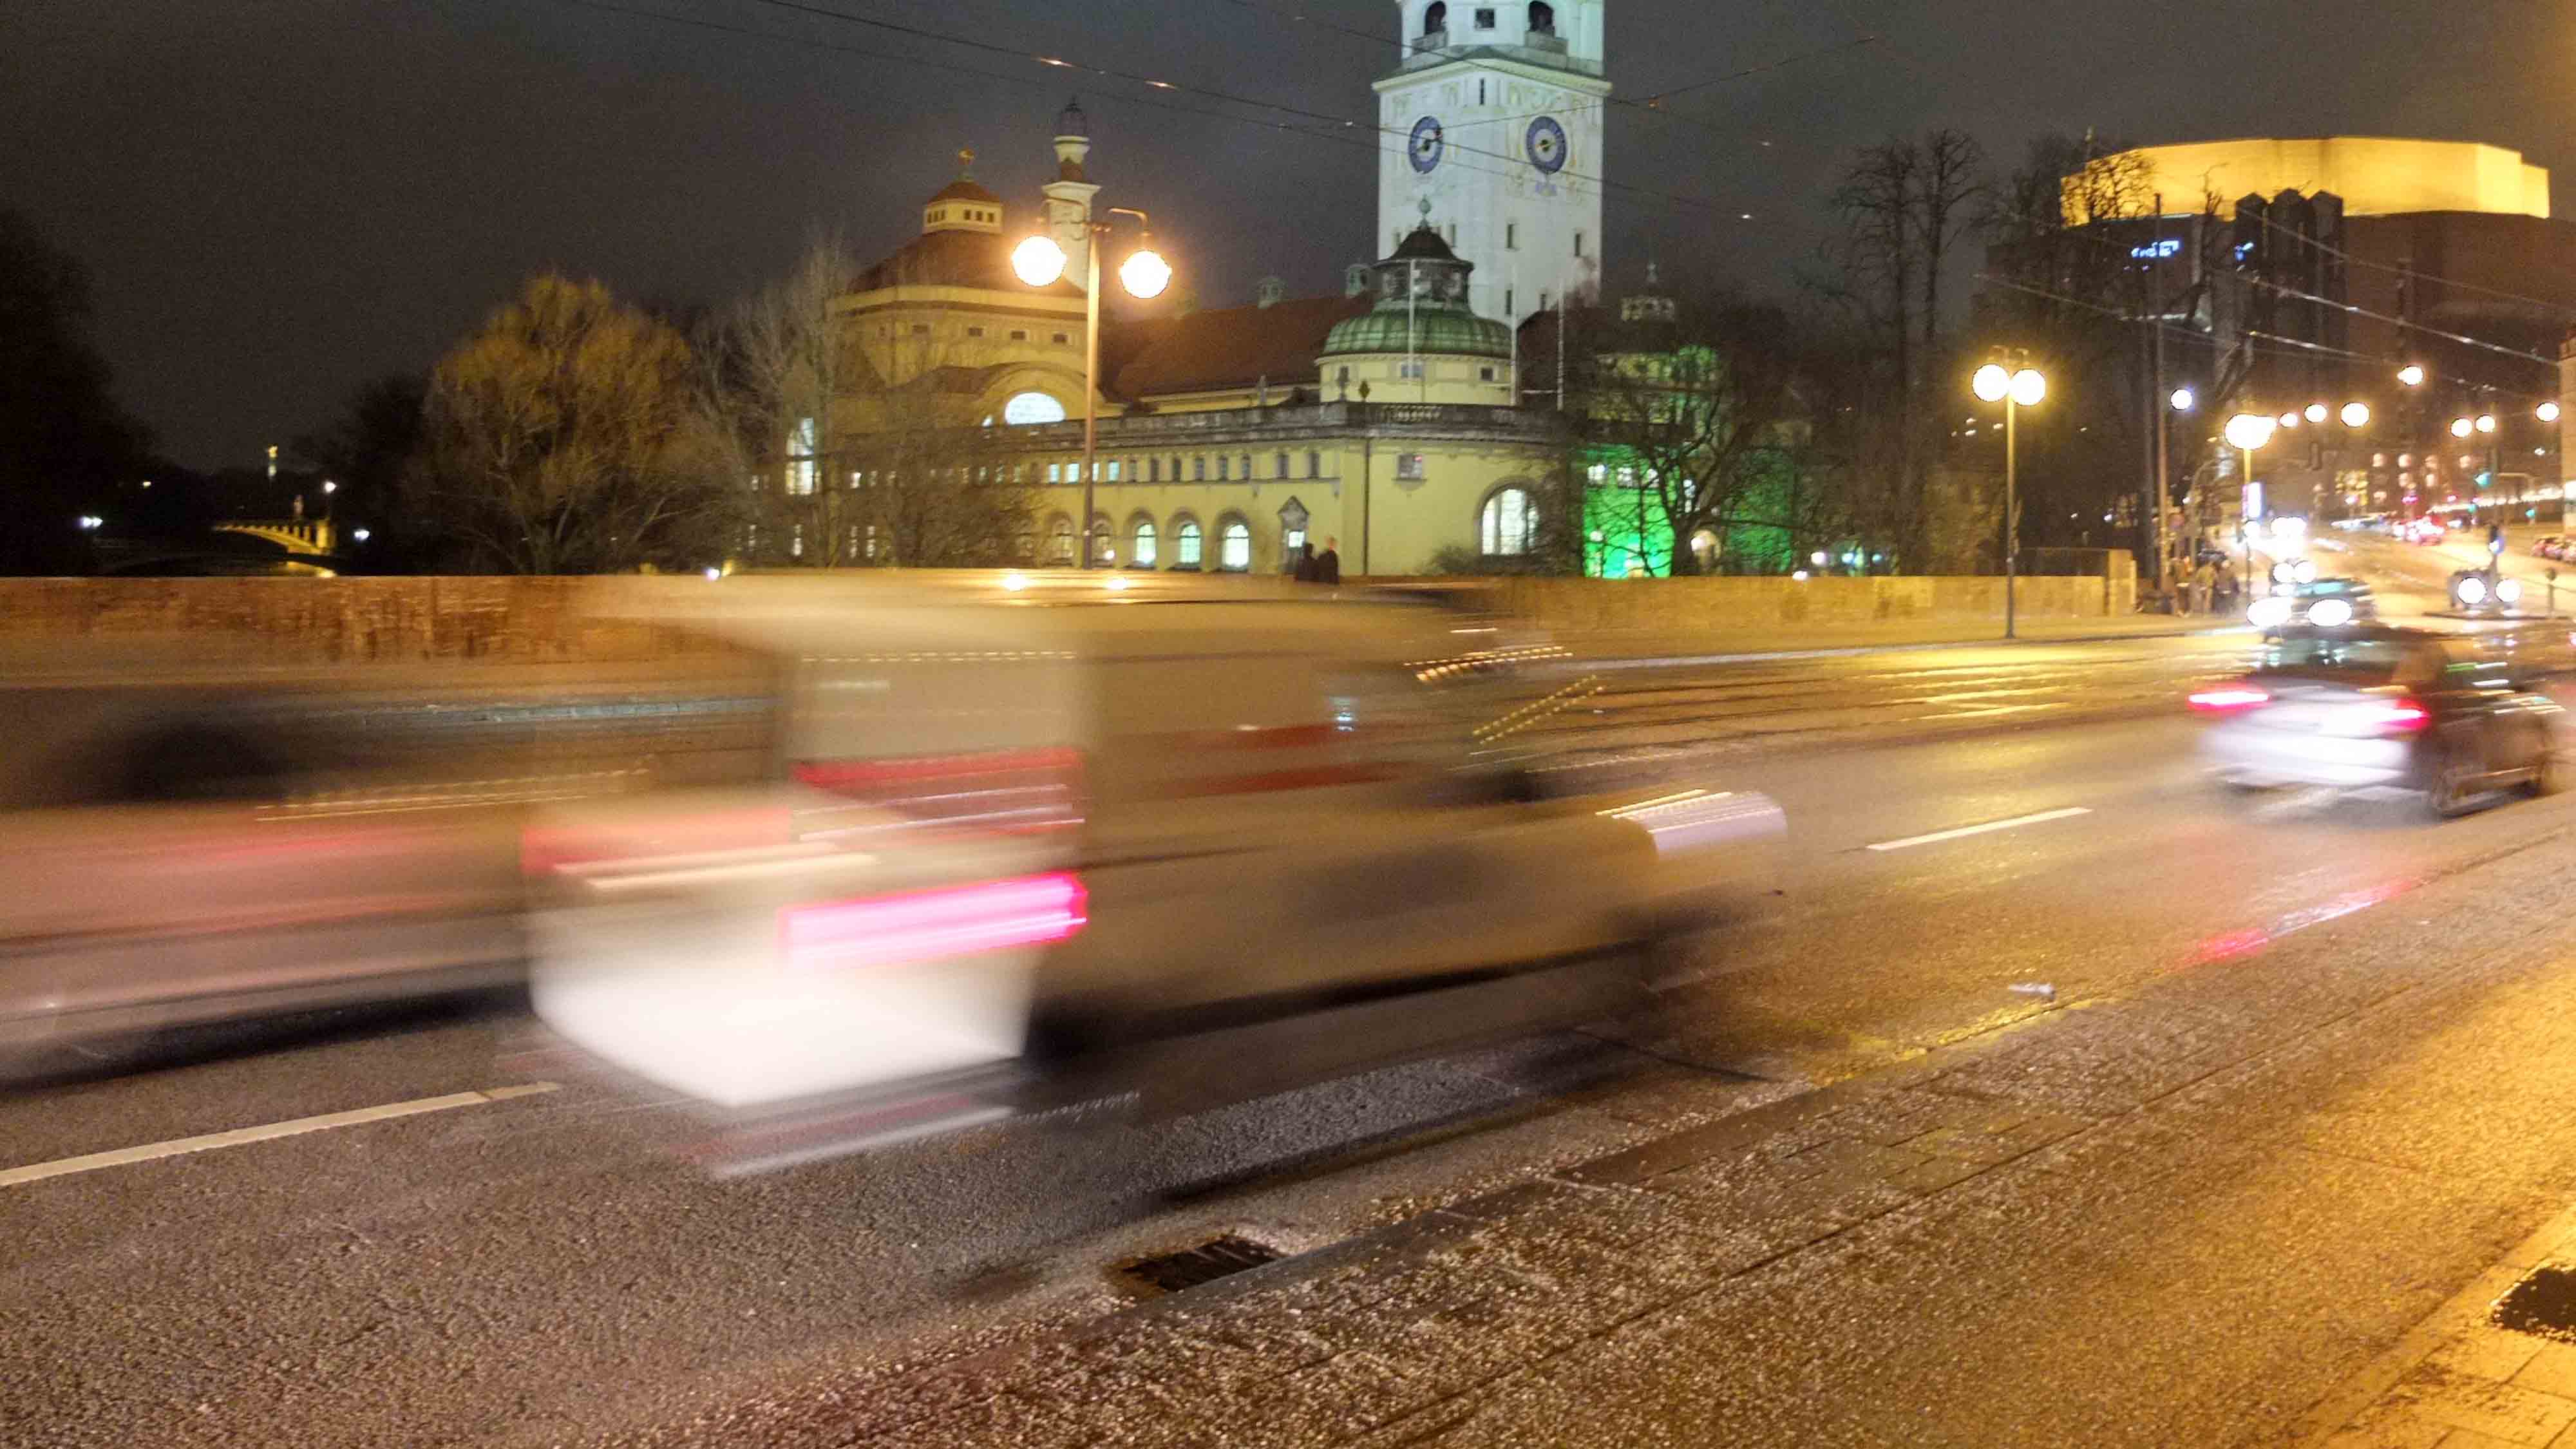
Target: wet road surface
column 524, row 1269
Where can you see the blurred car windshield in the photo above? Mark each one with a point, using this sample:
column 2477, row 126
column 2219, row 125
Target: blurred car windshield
column 2361, row 660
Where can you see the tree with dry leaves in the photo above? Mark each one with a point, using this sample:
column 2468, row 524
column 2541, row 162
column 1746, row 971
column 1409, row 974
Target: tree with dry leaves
column 565, row 437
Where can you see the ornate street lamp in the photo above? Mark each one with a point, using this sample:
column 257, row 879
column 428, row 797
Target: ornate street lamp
column 2018, row 387
column 1038, row 261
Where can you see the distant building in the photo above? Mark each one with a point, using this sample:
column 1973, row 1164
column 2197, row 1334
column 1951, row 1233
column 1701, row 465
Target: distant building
column 2314, row 270
column 1388, row 414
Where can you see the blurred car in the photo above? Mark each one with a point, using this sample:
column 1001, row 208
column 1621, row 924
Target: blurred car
column 2324, row 603
column 2547, row 545
column 2374, row 707
column 175, row 859
column 194, row 838
column 1046, row 838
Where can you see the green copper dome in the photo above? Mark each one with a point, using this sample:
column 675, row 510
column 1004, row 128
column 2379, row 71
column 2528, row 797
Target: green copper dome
column 1433, row 327
column 1421, row 307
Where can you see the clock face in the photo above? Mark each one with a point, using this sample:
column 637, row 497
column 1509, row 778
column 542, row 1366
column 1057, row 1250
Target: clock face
column 1426, row 146
column 1546, row 143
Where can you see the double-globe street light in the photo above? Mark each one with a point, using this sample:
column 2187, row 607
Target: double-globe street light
column 1039, row 261
column 2017, row 387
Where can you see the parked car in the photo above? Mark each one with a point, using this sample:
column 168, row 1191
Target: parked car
column 1040, row 837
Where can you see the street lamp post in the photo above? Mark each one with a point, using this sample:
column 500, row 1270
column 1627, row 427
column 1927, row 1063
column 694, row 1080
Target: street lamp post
column 1039, row 261
column 2246, row 432
column 2016, row 388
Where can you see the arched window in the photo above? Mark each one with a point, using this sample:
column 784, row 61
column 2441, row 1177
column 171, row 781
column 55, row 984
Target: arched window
column 1031, row 407
column 1141, row 544
column 1504, row 531
column 1542, row 18
column 1104, row 541
column 1233, row 545
column 1060, row 541
column 1435, row 17
column 1185, row 542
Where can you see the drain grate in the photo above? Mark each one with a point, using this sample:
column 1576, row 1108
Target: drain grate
column 1217, row 1258
column 2543, row 1303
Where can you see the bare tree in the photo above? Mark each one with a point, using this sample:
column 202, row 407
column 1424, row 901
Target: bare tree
column 563, row 438
column 853, row 467
column 1694, row 422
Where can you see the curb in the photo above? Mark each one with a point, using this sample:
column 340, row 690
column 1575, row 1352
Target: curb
column 2461, row 1312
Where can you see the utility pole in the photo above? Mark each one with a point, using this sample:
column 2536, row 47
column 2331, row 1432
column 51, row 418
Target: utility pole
column 2156, row 409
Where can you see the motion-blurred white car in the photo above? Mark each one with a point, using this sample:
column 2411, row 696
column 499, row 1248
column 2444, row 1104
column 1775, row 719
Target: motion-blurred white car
column 1044, row 836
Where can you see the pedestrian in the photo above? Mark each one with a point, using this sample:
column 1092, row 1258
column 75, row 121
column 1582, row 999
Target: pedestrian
column 1328, row 564
column 2203, row 580
column 1304, row 567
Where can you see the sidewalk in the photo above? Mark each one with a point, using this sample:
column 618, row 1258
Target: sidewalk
column 2494, row 1366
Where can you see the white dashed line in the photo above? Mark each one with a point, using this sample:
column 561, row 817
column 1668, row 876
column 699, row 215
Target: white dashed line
column 123, row 1156
column 1991, row 825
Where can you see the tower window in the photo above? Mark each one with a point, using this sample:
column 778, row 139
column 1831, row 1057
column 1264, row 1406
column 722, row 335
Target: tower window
column 1019, row 334
column 1409, row 367
column 1246, row 461
column 1198, row 468
column 920, row 329
column 1153, row 470
column 1314, row 464
column 1480, row 90
column 1408, row 466
column 1067, row 337
column 1283, row 465
column 1511, row 236
column 974, row 331
column 1435, row 18
column 1508, row 310
column 1484, row 20
column 1484, row 374
column 1578, row 243
column 1542, row 18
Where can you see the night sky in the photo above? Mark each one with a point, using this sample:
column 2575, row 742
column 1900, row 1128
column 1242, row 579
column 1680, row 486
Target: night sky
column 281, row 198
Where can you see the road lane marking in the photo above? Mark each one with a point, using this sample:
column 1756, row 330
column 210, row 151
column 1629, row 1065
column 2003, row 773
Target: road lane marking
column 238, row 1136
column 1992, row 825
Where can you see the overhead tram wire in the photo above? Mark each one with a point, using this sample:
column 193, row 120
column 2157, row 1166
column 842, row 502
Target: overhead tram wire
column 2288, row 346
column 2096, row 239
column 1338, row 134
column 1342, row 122
column 1899, row 53
column 1651, row 103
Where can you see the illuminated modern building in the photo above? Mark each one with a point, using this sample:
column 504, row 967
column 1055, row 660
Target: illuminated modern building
column 2313, row 270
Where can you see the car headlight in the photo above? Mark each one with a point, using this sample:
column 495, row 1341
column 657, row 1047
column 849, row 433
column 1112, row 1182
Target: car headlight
column 2329, row 612
column 2471, row 591
column 2508, row 591
column 2269, row 613
column 2304, row 571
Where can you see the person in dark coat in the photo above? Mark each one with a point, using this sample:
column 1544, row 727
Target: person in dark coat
column 1305, row 566
column 1328, row 564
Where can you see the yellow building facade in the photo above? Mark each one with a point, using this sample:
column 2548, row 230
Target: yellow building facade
column 1380, row 419
column 2374, row 175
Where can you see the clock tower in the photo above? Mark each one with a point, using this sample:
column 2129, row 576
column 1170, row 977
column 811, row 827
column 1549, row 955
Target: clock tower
column 1492, row 132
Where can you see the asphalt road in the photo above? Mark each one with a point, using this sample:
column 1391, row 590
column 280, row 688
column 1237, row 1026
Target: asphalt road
column 528, row 1269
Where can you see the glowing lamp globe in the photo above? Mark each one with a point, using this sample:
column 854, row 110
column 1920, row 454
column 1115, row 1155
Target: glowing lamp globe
column 2316, row 412
column 2548, row 412
column 2248, row 431
column 2028, row 387
column 1145, row 273
column 1991, row 383
column 1038, row 261
column 2356, row 415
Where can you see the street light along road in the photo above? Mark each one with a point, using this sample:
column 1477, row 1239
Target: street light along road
column 1039, row 261
column 2015, row 389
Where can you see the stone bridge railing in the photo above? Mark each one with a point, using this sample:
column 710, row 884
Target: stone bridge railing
column 295, row 535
